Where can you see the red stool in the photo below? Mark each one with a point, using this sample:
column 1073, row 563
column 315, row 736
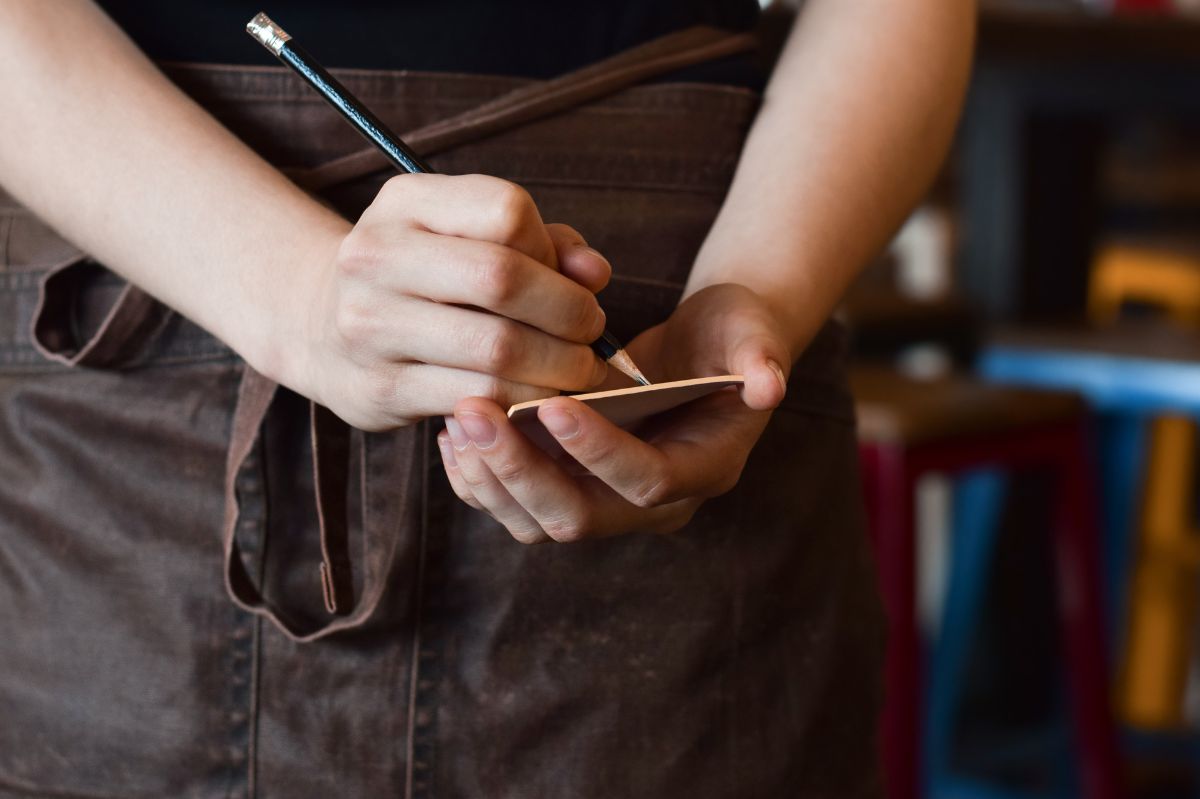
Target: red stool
column 909, row 428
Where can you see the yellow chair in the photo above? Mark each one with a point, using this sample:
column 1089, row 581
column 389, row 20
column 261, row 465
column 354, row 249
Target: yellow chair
column 1164, row 597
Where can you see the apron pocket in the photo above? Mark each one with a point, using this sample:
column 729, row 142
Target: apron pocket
column 66, row 329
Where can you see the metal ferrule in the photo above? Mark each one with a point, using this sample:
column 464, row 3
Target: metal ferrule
column 268, row 33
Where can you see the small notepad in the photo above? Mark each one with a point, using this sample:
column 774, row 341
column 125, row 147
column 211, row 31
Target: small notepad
column 624, row 407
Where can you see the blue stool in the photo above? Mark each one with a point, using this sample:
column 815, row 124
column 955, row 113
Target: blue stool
column 979, row 498
column 956, row 426
column 1129, row 374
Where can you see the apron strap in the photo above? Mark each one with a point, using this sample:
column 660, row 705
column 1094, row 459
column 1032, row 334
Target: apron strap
column 661, row 56
column 133, row 320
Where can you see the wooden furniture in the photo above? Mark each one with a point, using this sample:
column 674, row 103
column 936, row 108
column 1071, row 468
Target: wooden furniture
column 1164, row 276
column 908, row 429
column 1165, row 588
column 1129, row 373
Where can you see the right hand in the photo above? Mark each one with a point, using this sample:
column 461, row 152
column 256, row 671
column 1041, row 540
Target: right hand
column 446, row 288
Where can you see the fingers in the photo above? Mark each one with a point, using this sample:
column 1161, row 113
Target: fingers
column 520, row 484
column 475, row 483
column 389, row 396
column 703, row 460
column 491, row 209
column 577, row 260
column 462, row 338
column 453, row 473
column 475, row 273
column 478, row 207
column 449, row 287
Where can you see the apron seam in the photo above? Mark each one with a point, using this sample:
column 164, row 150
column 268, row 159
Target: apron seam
column 244, row 642
column 255, row 692
column 6, row 237
column 411, row 767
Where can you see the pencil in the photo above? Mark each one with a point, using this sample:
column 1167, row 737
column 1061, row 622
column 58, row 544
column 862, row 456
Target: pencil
column 275, row 39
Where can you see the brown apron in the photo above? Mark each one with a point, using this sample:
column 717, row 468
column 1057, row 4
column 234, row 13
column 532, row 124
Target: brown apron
column 142, row 465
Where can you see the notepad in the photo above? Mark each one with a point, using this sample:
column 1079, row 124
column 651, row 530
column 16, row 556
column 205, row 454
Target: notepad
column 624, row 407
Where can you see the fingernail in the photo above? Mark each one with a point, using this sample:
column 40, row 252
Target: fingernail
column 479, row 428
column 778, row 370
column 447, row 451
column 562, row 424
column 456, row 434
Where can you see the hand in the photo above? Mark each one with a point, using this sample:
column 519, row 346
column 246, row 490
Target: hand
column 654, row 483
column 448, row 287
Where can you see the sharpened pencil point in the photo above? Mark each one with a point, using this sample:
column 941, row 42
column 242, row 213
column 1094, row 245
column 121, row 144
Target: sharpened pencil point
column 268, row 33
column 627, row 367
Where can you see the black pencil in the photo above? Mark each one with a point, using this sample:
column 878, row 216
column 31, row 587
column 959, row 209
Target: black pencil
column 275, row 39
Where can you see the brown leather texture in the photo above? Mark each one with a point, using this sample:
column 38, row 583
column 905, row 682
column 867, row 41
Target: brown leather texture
column 737, row 658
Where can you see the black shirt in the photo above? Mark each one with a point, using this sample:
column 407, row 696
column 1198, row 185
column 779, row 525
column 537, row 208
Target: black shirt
column 529, row 38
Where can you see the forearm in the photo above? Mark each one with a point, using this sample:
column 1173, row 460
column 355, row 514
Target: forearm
column 855, row 122
column 99, row 144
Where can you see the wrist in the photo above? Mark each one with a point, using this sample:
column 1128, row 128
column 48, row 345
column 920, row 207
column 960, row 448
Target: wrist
column 275, row 328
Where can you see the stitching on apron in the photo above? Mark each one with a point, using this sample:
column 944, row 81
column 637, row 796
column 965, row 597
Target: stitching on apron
column 6, row 225
column 414, row 693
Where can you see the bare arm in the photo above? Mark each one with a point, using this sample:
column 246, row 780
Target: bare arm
column 856, row 120
column 101, row 145
column 857, row 117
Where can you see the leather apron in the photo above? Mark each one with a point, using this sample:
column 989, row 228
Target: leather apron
column 384, row 639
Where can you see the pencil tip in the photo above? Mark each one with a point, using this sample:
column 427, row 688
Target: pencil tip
column 627, row 367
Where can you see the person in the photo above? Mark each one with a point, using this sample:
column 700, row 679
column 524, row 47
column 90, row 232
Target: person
column 738, row 656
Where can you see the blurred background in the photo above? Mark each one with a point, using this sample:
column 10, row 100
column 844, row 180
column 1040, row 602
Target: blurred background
column 1027, row 373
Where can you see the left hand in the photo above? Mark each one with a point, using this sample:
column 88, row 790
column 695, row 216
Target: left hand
column 653, row 483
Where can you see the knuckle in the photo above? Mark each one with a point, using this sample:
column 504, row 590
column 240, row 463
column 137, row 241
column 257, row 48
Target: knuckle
column 494, row 389
column 473, row 480
column 509, row 470
column 395, row 188
column 379, row 398
column 511, row 206
column 583, row 366
column 595, row 449
column 526, row 537
column 567, row 529
column 380, row 390
column 462, row 493
column 600, row 451
column 580, row 317
column 353, row 322
column 498, row 279
column 499, row 347
column 655, row 490
column 360, row 256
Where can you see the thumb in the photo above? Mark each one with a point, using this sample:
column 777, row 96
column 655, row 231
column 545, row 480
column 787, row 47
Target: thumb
column 762, row 359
